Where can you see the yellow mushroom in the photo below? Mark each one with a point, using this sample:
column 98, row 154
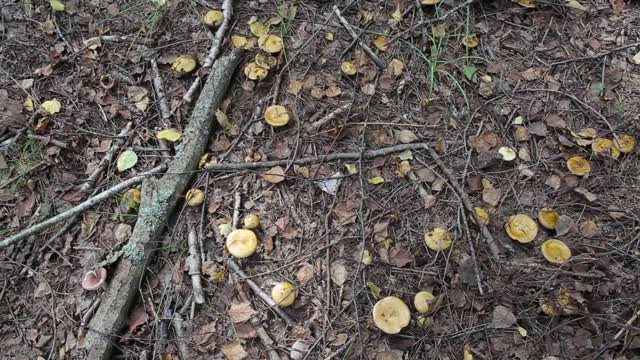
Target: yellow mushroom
column 284, row 294
column 276, row 115
column 555, row 251
column 601, row 145
column 521, row 228
column 438, row 239
column 548, row 309
column 578, row 165
column 391, row 315
column 624, row 143
column 265, row 61
column 132, row 198
column 471, row 41
column 482, row 214
column 349, row 68
column 548, row 218
column 213, row 18
column 184, row 64
column 422, row 301
column 270, row 43
column 430, row 2
column 195, row 197
column 251, row 221
column 242, row 243
column 255, row 72
column 425, row 321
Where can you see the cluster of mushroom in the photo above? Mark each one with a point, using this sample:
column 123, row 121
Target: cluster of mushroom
column 242, row 243
column 523, row 229
column 391, row 314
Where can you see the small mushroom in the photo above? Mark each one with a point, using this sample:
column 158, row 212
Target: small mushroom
column 251, row 221
column 184, row 64
column 132, row 198
column 556, row 251
column 94, row 279
column 266, row 61
column 605, row 146
column 284, row 294
column 195, row 197
column 578, row 165
column 548, row 218
column 438, row 239
column 422, row 300
column 254, row 71
column 549, row 309
column 276, row 115
column 270, row 43
column 213, row 18
column 242, row 243
column 482, row 214
column 521, row 228
column 391, row 315
column 624, row 143
column 349, row 68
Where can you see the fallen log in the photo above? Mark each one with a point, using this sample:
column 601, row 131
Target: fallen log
column 159, row 198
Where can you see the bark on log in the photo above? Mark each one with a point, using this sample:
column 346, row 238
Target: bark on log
column 159, row 198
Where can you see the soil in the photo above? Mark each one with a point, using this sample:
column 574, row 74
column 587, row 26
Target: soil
column 504, row 117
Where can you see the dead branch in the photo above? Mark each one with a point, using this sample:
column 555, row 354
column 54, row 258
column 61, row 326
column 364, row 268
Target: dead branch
column 316, row 159
column 314, row 126
column 193, row 263
column 214, row 51
column 158, row 203
column 353, row 34
column 87, row 204
column 178, row 327
column 158, row 85
column 106, row 160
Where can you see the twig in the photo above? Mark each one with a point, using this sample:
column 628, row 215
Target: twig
column 258, row 291
column 588, row 275
column 214, row 51
column 620, row 48
column 87, row 204
column 236, row 210
column 438, row 19
column 310, row 160
column 48, row 140
column 493, row 245
column 330, row 116
column 178, row 327
column 193, row 264
column 158, row 85
column 106, row 160
column 353, row 34
column 86, row 317
column 340, row 350
column 472, row 250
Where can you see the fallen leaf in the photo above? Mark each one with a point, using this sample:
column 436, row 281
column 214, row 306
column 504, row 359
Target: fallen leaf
column 470, row 72
column 400, row 257
column 406, row 136
column 126, row 160
column 575, row 5
column 234, row 351
column 554, row 182
column 274, row 175
column 171, row 135
column 56, row 5
column 591, row 197
column 338, row 273
column 491, row 196
column 305, row 273
column 521, row 133
column 538, row 129
column 381, row 42
column 532, row 74
column 588, row 228
column 369, row 89
column 295, row 86
column 137, row 317
column 564, row 225
column 204, row 333
column 51, row 106
column 555, row 121
column 345, row 212
column 502, row 318
column 396, row 67
column 332, row 184
column 138, row 95
column 485, row 141
column 376, row 180
column 374, row 289
column 352, row 169
column 241, row 312
column 298, row 350
column 48, row 27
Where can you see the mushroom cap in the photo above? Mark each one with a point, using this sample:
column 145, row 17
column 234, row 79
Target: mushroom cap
column 555, row 251
column 284, row 293
column 276, row 115
column 438, row 239
column 548, row 218
column 184, row 64
column 391, row 314
column 521, row 228
column 94, row 279
column 625, row 143
column 482, row 214
column 270, row 43
column 578, row 165
column 132, row 198
column 430, row 2
column 548, row 309
column 195, row 197
column 602, row 145
column 422, row 300
column 242, row 243
column 251, row 221
column 471, row 41
column 265, row 60
column 348, row 68
column 213, row 18
column 254, row 71
column 425, row 321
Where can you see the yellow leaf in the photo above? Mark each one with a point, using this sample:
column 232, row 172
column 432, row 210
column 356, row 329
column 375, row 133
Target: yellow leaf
column 381, row 42
column 51, row 106
column 171, row 135
column 397, row 15
column 329, row 36
column 352, row 169
column 522, row 331
column 48, row 27
column 531, row 4
column 376, row 180
column 239, row 41
column 56, row 5
column 258, row 29
column 142, row 103
column 28, row 104
column 575, row 5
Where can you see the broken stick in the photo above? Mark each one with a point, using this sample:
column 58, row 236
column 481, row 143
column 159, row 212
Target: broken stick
column 353, row 34
column 158, row 203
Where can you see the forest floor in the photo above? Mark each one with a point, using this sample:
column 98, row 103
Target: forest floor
column 505, row 94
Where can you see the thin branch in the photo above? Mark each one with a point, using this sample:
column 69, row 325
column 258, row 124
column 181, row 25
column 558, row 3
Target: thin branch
column 106, row 160
column 353, row 34
column 158, row 85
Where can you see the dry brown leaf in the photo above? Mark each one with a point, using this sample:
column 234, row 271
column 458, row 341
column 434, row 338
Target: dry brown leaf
column 521, row 133
column 274, row 175
column 491, row 196
column 338, row 273
column 588, row 228
column 554, row 182
column 502, row 318
column 234, row 351
column 538, row 129
column 240, row 312
column 295, row 86
column 555, row 121
column 591, row 197
column 204, row 333
column 565, row 225
column 305, row 273
column 406, row 136
column 532, row 74
column 399, row 256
